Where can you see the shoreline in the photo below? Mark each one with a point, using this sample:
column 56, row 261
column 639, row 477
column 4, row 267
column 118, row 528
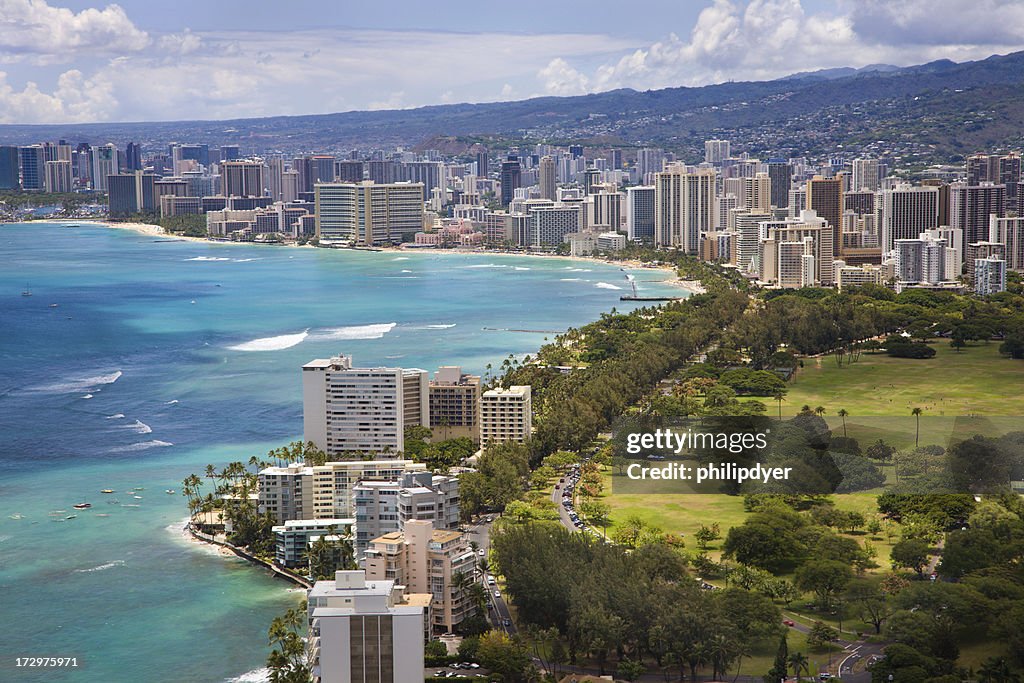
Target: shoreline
column 150, row 230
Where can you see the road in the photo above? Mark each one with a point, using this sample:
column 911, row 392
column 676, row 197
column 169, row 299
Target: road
column 498, row 611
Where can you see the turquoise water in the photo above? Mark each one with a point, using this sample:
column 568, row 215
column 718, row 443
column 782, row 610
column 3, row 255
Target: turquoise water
column 162, row 356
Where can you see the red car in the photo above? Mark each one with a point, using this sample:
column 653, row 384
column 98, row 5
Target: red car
column 788, row 622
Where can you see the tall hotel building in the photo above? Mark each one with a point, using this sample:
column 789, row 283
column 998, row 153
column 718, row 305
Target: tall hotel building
column 640, row 212
column 797, row 252
column 242, row 179
column 104, row 163
column 684, row 207
column 781, row 174
column 546, row 173
column 904, row 212
column 825, row 196
column 367, row 213
column 971, row 205
column 506, row 415
column 361, row 410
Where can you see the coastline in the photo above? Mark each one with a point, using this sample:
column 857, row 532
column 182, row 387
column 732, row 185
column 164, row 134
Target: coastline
column 691, row 286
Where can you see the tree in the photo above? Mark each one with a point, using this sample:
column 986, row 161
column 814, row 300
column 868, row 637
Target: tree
column 799, row 662
column 870, row 601
column 843, row 413
column 630, row 670
column 916, row 412
column 824, row 578
column 506, row 657
column 997, row 670
column 911, row 553
column 781, row 668
column 779, row 396
column 821, row 634
column 288, row 660
column 707, row 534
column 879, row 451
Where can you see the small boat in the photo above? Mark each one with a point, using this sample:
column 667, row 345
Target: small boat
column 16, row 516
column 27, row 291
column 53, row 305
column 102, row 514
column 140, row 488
column 82, row 506
column 71, row 516
column 107, row 491
column 193, row 301
column 137, row 497
column 130, row 505
column 169, row 492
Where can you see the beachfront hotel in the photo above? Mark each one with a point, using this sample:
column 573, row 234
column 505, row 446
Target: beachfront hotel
column 348, row 410
column 365, row 631
column 367, row 213
column 426, row 560
column 506, row 415
column 293, row 538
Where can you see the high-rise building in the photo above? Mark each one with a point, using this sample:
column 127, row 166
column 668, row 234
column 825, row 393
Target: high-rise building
column 430, row 174
column 229, row 153
column 506, row 415
column 640, row 213
column 511, row 179
column 33, row 168
column 989, row 276
column 133, row 157
column 550, row 224
column 483, row 166
column 383, row 507
column 865, row 175
column 748, row 237
column 780, row 172
column 348, row 171
column 1010, row 233
column 361, row 410
column 286, row 492
column 454, row 404
column 1009, row 176
column 58, row 176
column 9, row 168
column 904, row 212
column 757, row 192
column 921, row 261
column 242, row 179
column 363, row 631
column 368, row 213
column 648, row 162
column 427, row 560
column 716, row 151
column 797, row 252
column 684, row 207
column 825, row 197
column 977, row 251
column 971, row 205
column 318, row 168
column 546, row 175
column 861, row 202
column 104, row 164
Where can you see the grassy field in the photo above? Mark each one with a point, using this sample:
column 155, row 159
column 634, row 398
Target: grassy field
column 976, row 381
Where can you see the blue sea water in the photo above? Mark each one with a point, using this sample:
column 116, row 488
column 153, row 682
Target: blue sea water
column 161, row 356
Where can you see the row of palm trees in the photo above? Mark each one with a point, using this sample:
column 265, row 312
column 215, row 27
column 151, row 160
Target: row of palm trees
column 780, row 396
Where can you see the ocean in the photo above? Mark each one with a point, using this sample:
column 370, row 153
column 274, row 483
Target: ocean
column 139, row 359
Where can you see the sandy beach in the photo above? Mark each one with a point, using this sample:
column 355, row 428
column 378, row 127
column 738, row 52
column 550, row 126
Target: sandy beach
column 690, row 286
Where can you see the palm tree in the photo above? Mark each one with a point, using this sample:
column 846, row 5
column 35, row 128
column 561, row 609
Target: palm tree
column 779, row 396
column 820, row 410
column 916, row 412
column 799, row 662
column 843, row 412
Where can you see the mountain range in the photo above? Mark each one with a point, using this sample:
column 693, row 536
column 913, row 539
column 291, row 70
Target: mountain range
column 942, row 109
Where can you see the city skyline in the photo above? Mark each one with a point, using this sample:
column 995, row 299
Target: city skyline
column 67, row 61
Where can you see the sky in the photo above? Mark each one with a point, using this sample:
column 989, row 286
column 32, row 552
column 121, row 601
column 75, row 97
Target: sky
column 69, row 61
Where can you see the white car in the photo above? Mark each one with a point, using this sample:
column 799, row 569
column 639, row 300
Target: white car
column 497, row 594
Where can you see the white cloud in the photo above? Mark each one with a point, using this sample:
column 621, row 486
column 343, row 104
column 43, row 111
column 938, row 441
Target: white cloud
column 33, row 29
column 74, row 99
column 764, row 39
column 561, row 79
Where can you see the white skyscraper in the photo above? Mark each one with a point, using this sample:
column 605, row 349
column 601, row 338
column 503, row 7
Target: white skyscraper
column 684, row 207
column 361, row 410
column 904, row 212
column 865, row 175
column 104, row 163
column 715, row 151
